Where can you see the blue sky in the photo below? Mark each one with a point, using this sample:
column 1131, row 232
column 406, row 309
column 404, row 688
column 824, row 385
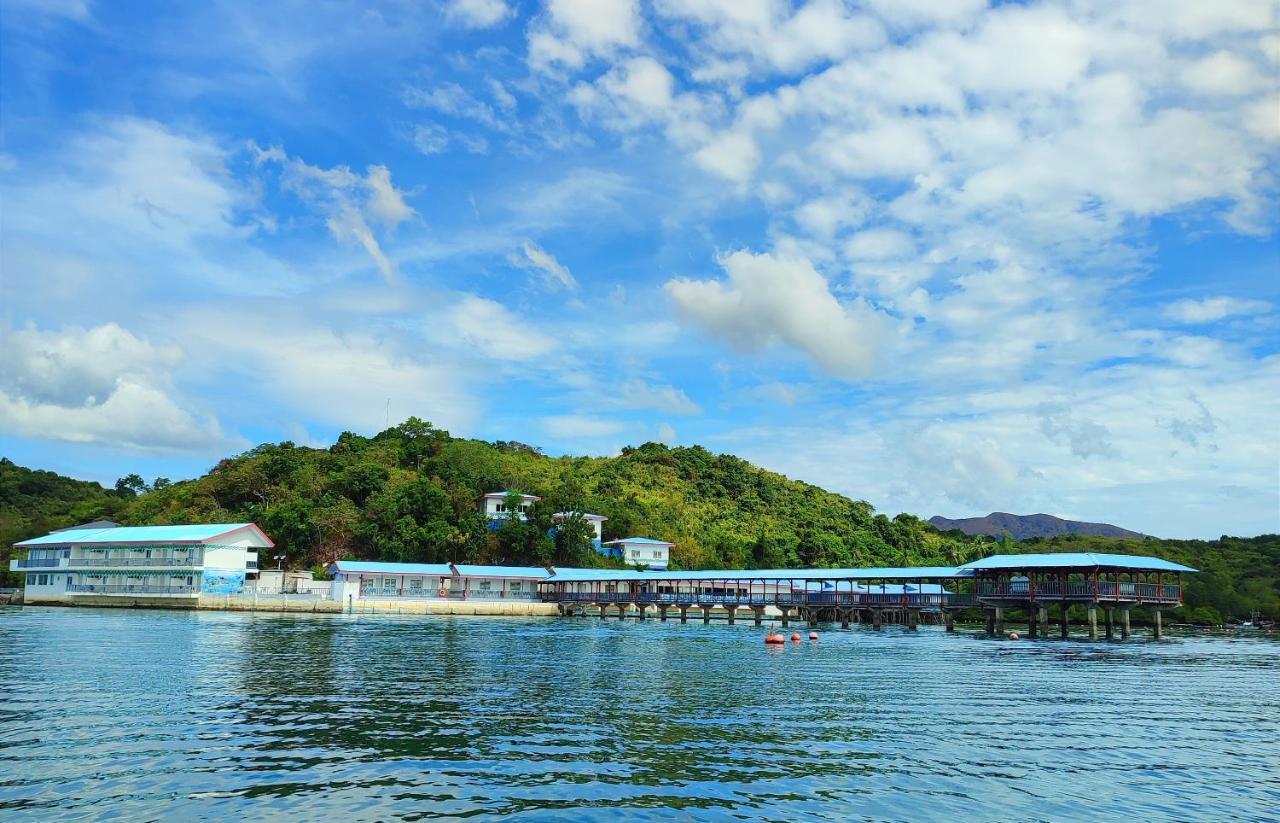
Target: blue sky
column 948, row 258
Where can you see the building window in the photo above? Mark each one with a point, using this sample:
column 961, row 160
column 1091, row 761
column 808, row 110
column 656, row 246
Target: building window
column 31, row 580
column 44, row 580
column 486, row 585
column 68, row 580
column 515, row 585
column 635, row 553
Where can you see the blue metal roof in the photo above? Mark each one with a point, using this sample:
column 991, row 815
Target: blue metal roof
column 373, row 567
column 611, row 575
column 1075, row 560
column 135, row 535
column 536, row 572
column 642, row 540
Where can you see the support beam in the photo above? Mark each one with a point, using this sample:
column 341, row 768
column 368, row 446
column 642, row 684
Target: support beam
column 1033, row 625
column 706, row 615
column 641, row 608
column 662, row 614
column 758, row 611
column 1124, row 624
column 913, row 620
column 1062, row 624
column 1109, row 622
column 950, row 617
column 684, row 614
column 877, row 619
column 844, row 618
column 999, row 620
column 786, row 615
column 604, row 610
column 1042, row 616
column 1157, row 629
column 733, row 613
column 991, row 622
column 1093, row 621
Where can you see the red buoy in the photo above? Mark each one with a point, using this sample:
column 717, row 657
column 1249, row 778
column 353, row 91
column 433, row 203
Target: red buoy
column 1013, row 635
column 813, row 635
column 795, row 637
column 774, row 639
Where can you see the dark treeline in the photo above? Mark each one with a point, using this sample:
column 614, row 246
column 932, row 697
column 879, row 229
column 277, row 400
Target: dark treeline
column 411, row 493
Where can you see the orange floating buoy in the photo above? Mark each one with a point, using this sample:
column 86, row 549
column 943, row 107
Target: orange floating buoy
column 1013, row 635
column 774, row 639
column 813, row 635
column 795, row 637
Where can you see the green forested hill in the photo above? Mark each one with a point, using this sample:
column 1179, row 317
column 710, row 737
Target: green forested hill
column 411, row 493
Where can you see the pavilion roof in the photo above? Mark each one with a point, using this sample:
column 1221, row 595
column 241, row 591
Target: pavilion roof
column 1074, row 561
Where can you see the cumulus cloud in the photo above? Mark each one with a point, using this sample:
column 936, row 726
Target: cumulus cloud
column 1212, row 309
column 574, row 30
column 576, row 426
column 492, row 330
column 768, row 300
column 637, row 394
column 99, row 385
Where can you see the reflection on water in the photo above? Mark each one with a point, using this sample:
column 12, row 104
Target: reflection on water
column 136, row 715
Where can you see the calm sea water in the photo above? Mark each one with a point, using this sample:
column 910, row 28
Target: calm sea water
column 140, row 715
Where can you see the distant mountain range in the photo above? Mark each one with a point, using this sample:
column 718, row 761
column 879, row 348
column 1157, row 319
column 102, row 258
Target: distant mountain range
column 1021, row 526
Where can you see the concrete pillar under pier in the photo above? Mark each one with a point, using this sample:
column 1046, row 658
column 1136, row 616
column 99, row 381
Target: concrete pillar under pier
column 604, row 610
column 844, row 618
column 1124, row 624
column 706, row 615
column 622, row 611
column 1093, row 621
column 641, row 608
column 684, row 614
column 1042, row 617
column 991, row 622
column 662, row 614
column 950, row 618
column 812, row 614
column 1109, row 622
column 1062, row 621
column 733, row 613
column 877, row 619
column 1157, row 629
column 999, row 620
column 786, row 615
column 1033, row 625
column 913, row 619
column 758, row 611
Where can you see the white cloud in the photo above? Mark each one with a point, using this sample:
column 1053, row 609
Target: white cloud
column 553, row 273
column 477, row 14
column 1224, row 73
column 637, row 394
column 347, row 200
column 768, row 301
column 1212, row 309
column 492, row 330
column 574, row 30
column 577, row 426
column 880, row 244
column 666, row 434
column 101, row 385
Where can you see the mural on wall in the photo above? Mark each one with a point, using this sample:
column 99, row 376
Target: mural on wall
column 219, row 581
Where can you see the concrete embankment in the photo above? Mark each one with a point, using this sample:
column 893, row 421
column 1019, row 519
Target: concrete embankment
column 476, row 607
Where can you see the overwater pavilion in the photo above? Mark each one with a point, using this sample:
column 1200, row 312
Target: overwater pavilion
column 1112, row 582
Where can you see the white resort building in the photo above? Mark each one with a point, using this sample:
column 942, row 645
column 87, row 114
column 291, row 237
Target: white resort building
column 355, row 580
column 641, row 551
column 164, row 562
column 495, row 505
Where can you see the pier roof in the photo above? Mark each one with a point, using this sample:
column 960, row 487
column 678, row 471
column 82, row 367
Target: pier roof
column 136, row 535
column 530, row 572
column 1075, row 560
column 610, row 575
column 373, row 567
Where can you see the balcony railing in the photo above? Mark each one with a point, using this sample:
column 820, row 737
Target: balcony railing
column 38, row 563
column 93, row 588
column 1083, row 590
column 818, row 599
column 116, row 562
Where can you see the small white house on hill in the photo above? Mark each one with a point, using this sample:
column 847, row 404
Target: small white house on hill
column 643, row 551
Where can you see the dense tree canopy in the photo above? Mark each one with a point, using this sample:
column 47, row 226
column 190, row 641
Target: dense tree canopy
column 411, row 493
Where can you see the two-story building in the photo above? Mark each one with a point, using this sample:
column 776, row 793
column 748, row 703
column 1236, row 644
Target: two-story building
column 495, row 506
column 641, row 551
column 163, row 562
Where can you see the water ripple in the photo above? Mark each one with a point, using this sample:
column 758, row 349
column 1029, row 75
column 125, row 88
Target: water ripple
column 132, row 715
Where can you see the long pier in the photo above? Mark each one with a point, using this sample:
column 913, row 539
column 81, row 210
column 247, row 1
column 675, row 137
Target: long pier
column 1031, row 583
